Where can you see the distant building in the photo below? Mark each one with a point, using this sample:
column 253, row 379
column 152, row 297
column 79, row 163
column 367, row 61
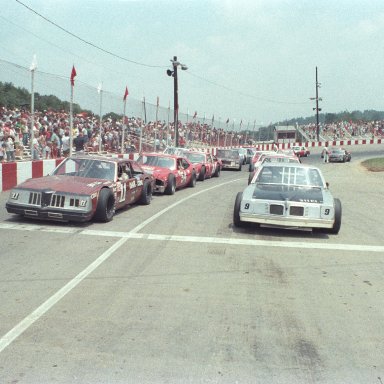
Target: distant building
column 285, row 134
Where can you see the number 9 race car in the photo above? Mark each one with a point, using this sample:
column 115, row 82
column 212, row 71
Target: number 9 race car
column 288, row 195
column 82, row 188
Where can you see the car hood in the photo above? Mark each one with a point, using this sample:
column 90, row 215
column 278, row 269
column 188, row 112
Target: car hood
column 289, row 193
column 67, row 184
column 153, row 170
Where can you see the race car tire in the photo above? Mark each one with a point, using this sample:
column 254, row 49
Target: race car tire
column 171, row 185
column 338, row 212
column 236, row 211
column 251, row 167
column 146, row 193
column 202, row 174
column 250, row 177
column 105, row 209
column 192, row 182
column 217, row 171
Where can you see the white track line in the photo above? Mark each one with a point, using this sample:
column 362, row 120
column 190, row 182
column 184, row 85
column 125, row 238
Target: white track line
column 16, row 331
column 199, row 239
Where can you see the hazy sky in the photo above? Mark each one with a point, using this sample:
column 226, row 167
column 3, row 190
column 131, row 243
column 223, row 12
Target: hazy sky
column 247, row 59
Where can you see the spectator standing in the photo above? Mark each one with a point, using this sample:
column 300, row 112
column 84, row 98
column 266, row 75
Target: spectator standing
column 35, row 147
column 65, row 144
column 326, row 154
column 79, row 142
column 10, row 149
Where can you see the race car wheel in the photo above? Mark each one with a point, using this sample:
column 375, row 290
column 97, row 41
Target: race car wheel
column 250, row 177
column 202, row 174
column 337, row 224
column 171, row 185
column 105, row 206
column 192, row 182
column 217, row 171
column 236, row 211
column 146, row 193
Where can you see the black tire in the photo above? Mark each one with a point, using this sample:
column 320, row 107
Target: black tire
column 250, row 177
column 338, row 213
column 251, row 167
column 146, row 193
column 236, row 211
column 105, row 209
column 217, row 171
column 171, row 185
column 192, row 182
column 202, row 174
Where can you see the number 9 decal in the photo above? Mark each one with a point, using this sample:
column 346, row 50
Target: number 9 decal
column 246, row 206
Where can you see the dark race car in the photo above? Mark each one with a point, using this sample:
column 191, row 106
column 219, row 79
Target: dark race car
column 82, row 188
column 339, row 155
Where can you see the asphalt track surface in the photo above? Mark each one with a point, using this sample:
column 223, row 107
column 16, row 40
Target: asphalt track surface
column 173, row 293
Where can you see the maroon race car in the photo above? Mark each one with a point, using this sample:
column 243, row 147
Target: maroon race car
column 81, row 188
column 206, row 165
column 170, row 171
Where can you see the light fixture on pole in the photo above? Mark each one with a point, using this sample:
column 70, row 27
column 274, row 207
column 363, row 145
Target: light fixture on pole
column 173, row 73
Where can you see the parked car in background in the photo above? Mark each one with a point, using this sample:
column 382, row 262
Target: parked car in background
column 339, row 155
column 170, row 171
column 288, row 196
column 82, row 188
column 301, row 151
column 230, row 159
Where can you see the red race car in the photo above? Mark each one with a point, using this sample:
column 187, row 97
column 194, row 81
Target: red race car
column 81, row 188
column 206, row 165
column 170, row 171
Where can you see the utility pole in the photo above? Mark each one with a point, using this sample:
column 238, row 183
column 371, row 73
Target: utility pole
column 317, row 109
column 173, row 73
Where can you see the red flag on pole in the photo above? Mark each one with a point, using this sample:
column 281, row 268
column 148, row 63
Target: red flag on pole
column 73, row 74
column 126, row 93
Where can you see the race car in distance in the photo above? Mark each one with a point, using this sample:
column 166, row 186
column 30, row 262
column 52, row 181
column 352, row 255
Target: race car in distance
column 206, row 165
column 82, row 188
column 301, row 151
column 272, row 158
column 256, row 158
column 230, row 158
column 171, row 172
column 339, row 155
column 288, row 196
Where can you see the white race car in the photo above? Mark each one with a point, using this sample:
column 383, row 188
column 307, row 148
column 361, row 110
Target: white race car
column 288, row 195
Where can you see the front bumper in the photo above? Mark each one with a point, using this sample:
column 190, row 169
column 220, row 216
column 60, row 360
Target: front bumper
column 284, row 221
column 48, row 213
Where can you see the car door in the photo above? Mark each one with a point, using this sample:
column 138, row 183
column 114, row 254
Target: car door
column 181, row 175
column 125, row 185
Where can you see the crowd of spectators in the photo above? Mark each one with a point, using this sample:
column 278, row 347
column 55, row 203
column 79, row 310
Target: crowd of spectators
column 346, row 130
column 51, row 134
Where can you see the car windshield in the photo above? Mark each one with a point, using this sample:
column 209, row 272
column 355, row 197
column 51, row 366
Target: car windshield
column 286, row 175
column 195, row 157
column 157, row 161
column 89, row 168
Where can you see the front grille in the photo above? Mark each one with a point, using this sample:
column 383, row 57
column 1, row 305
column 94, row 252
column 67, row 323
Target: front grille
column 57, row 201
column 296, row 211
column 275, row 209
column 34, row 198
